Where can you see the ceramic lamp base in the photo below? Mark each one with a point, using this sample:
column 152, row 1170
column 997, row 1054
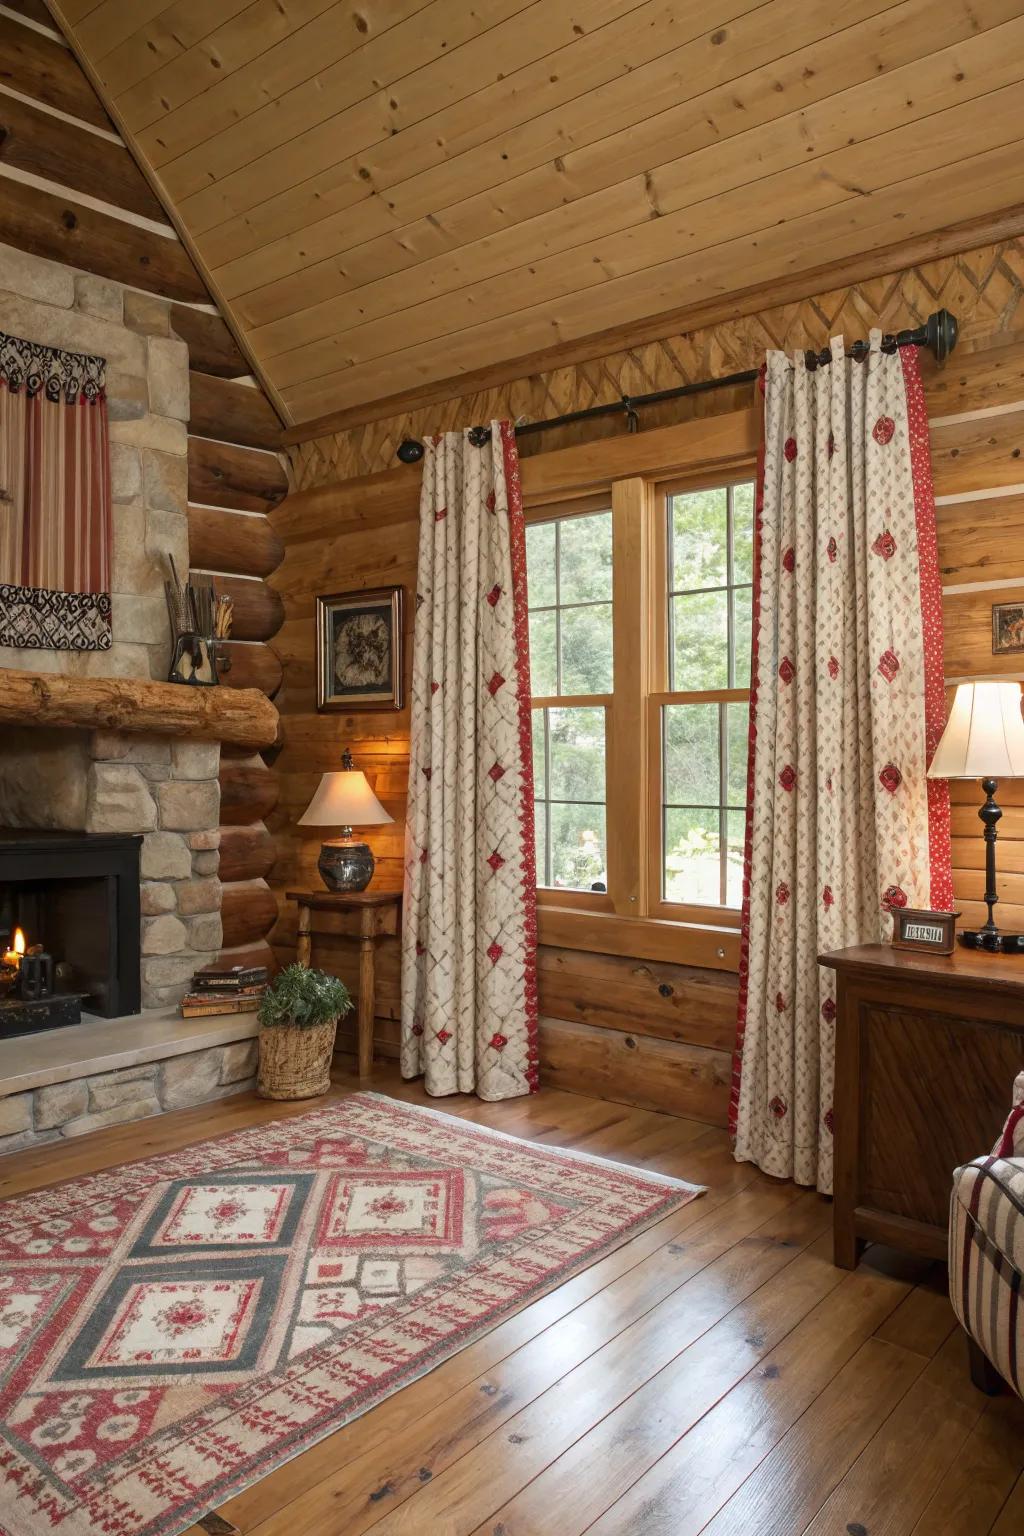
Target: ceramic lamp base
column 345, row 865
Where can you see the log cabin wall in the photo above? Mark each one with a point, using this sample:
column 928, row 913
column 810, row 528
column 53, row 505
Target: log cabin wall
column 235, row 479
column 653, row 1032
column 71, row 192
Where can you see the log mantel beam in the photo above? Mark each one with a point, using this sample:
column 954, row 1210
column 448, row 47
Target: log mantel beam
column 243, row 716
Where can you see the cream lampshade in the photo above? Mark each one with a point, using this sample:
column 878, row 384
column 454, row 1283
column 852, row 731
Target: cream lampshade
column 344, row 799
column 984, row 739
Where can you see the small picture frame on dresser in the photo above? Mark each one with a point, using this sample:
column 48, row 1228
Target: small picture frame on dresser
column 932, row 933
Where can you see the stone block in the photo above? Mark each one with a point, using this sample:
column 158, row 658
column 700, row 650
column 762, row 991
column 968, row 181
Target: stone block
column 166, row 434
column 206, row 862
column 190, row 1079
column 238, row 1060
column 127, row 397
column 114, row 1088
column 119, row 800
column 163, row 935
column 98, row 296
column 132, row 1109
column 168, row 377
column 167, row 970
column 125, row 472
column 208, row 839
column 133, row 569
column 146, row 313
column 166, row 535
column 195, row 759
column 165, row 856
column 205, row 932
column 199, row 896
column 15, row 1114
column 156, row 896
column 189, row 807
column 113, row 747
column 165, row 481
column 30, row 277
column 60, row 1102
column 140, row 620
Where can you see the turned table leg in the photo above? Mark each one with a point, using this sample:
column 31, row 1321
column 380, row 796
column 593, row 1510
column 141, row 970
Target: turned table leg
column 304, row 939
column 366, row 999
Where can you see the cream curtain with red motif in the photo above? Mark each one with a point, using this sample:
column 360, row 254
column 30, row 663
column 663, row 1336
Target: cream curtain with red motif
column 469, row 992
column 846, row 709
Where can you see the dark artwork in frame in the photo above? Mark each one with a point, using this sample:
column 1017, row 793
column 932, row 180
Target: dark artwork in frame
column 359, row 650
column 1007, row 628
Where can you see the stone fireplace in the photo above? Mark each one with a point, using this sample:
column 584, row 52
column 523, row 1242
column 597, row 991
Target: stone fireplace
column 97, row 744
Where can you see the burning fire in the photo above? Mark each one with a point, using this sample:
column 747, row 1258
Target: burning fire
column 12, row 957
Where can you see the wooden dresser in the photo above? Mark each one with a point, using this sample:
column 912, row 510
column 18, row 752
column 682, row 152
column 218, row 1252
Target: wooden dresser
column 927, row 1047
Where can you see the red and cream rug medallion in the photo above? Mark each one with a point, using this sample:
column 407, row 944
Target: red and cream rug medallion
column 171, row 1330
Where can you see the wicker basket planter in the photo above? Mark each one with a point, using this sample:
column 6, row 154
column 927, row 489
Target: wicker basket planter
column 295, row 1063
column 298, row 1021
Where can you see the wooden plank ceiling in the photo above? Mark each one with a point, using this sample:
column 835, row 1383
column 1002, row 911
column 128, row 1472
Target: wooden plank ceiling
column 389, row 193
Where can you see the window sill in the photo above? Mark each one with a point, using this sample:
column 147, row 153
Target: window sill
column 709, row 945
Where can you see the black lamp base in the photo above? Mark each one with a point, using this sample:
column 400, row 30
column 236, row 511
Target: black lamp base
column 994, row 943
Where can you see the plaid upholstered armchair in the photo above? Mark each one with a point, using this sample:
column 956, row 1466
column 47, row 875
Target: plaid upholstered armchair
column 986, row 1255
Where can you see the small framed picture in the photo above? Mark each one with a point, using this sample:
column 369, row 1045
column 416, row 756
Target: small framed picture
column 917, row 928
column 1007, row 628
column 359, row 650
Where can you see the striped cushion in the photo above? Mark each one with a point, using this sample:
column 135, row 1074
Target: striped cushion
column 1011, row 1142
column 986, row 1259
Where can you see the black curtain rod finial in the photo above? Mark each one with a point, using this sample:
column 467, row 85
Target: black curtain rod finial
column 410, row 451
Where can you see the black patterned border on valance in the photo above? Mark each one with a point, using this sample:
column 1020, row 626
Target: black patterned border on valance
column 59, row 375
column 37, row 619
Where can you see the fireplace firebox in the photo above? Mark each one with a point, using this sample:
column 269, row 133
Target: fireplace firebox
column 75, row 895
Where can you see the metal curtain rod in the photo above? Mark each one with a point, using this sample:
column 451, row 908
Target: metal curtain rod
column 938, row 333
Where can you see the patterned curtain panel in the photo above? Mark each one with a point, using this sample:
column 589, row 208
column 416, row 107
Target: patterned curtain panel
column 55, row 519
column 846, row 710
column 469, row 991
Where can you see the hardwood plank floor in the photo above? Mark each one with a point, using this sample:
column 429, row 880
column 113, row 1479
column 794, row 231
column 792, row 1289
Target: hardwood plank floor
column 715, row 1375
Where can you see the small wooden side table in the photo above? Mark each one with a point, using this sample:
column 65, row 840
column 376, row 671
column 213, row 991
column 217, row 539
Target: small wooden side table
column 363, row 915
column 927, row 1047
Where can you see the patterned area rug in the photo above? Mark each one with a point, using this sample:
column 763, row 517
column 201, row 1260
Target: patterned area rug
column 171, row 1330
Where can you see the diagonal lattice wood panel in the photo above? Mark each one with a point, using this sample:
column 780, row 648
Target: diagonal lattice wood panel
column 981, row 287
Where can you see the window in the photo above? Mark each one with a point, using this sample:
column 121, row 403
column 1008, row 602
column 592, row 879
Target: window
column 569, row 577
column 640, row 625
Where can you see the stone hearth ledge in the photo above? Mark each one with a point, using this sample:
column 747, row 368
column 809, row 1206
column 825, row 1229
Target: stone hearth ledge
column 65, row 1082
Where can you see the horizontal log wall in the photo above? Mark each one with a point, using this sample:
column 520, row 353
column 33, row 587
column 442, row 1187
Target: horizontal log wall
column 234, row 479
column 609, row 1028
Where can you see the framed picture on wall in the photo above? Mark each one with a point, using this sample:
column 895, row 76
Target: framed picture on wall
column 359, row 650
column 1007, row 628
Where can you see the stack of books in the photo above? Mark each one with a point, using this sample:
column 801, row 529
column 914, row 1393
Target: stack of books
column 225, row 989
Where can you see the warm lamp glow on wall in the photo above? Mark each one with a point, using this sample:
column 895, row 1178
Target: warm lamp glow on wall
column 345, row 800
column 984, row 739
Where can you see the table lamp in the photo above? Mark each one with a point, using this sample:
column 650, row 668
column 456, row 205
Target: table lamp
column 345, row 800
column 984, row 739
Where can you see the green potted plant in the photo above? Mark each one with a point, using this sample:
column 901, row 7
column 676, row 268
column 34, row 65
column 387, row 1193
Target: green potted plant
column 298, row 1017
